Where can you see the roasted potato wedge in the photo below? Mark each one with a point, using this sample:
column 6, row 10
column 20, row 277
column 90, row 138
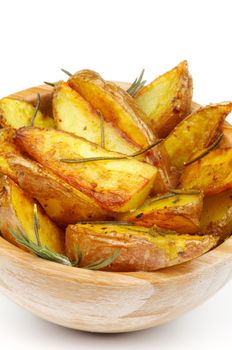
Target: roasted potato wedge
column 195, row 133
column 140, row 248
column 16, row 211
column 63, row 203
column 74, row 114
column 16, row 114
column 212, row 174
column 167, row 99
column 116, row 106
column 112, row 184
column 216, row 216
column 177, row 212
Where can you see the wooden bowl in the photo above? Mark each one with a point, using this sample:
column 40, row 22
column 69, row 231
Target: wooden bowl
column 108, row 302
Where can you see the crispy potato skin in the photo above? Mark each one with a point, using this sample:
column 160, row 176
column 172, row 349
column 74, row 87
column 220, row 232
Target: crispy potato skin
column 167, row 99
column 216, row 216
column 74, row 114
column 7, row 147
column 111, row 184
column 139, row 249
column 193, row 137
column 116, row 106
column 180, row 213
column 16, row 210
column 63, row 203
column 16, row 114
column 212, row 174
column 226, row 141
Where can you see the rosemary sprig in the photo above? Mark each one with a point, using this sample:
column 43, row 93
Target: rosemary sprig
column 45, row 253
column 35, row 111
column 42, row 251
column 137, row 84
column 95, row 159
column 205, row 151
column 66, row 72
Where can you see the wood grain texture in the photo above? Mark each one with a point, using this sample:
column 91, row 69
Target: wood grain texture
column 108, row 302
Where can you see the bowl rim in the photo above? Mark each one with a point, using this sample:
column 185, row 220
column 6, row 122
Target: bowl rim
column 221, row 254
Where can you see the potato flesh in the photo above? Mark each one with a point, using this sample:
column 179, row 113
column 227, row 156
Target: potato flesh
column 177, row 212
column 16, row 114
column 116, row 106
column 216, row 216
column 188, row 138
column 140, row 248
column 112, row 184
column 212, row 174
column 16, row 210
column 167, row 99
column 74, row 114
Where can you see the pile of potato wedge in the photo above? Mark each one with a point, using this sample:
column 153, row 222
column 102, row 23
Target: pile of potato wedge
column 147, row 174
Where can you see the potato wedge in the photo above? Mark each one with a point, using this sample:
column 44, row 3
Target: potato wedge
column 74, row 114
column 140, row 248
column 167, row 99
column 16, row 210
column 112, row 184
column 195, row 133
column 63, row 203
column 212, row 174
column 16, row 114
column 177, row 212
column 116, row 106
column 216, row 217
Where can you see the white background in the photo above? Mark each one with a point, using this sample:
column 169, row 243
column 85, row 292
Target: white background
column 118, row 39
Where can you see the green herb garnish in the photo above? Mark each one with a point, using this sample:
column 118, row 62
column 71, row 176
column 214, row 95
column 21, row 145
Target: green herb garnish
column 66, row 72
column 95, row 159
column 35, row 111
column 205, row 151
column 46, row 253
column 137, row 84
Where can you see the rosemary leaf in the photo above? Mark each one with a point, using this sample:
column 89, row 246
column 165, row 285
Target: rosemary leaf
column 36, row 225
column 101, row 263
column 205, row 151
column 119, row 223
column 187, row 192
column 66, row 72
column 137, row 84
column 77, row 262
column 35, row 111
column 48, row 83
column 95, row 159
